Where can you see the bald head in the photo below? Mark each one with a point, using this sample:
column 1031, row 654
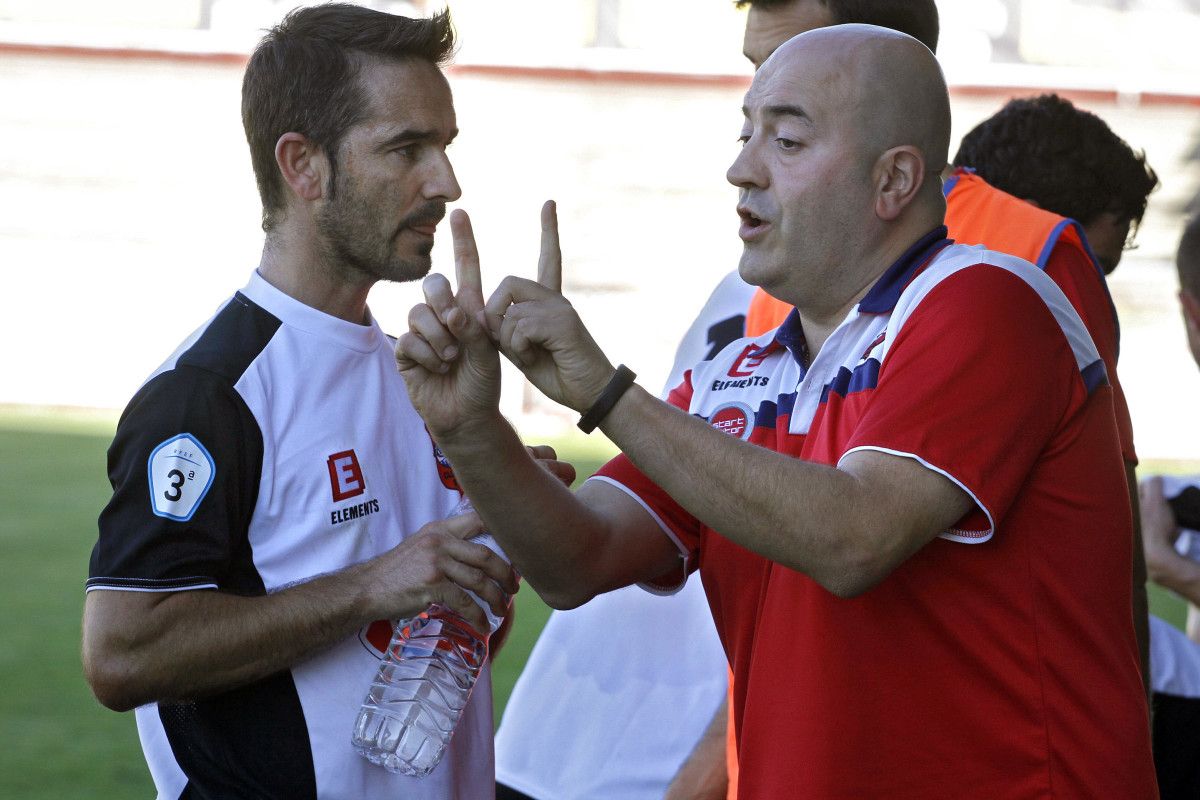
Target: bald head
column 845, row 134
column 883, row 86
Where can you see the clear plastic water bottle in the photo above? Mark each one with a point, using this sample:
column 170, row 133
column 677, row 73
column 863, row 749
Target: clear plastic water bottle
column 423, row 684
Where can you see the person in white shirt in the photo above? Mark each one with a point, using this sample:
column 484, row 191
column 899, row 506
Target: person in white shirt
column 276, row 499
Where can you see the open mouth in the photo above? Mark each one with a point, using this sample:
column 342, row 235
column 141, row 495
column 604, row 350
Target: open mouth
column 752, row 224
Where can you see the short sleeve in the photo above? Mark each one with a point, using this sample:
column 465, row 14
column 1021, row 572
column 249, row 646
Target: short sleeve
column 678, row 524
column 184, row 466
column 972, row 395
column 1070, row 267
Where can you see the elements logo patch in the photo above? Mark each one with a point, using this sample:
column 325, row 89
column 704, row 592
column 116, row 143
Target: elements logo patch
column 735, row 419
column 345, row 476
column 180, row 472
column 750, row 359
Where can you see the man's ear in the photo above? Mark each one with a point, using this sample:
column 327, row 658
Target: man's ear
column 302, row 164
column 899, row 176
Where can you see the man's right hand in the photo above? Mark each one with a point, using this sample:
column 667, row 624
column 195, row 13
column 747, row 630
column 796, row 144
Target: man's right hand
column 436, row 565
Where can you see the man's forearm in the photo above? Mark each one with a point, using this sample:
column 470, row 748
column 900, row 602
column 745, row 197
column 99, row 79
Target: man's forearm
column 144, row 646
column 189, row 644
column 823, row 521
column 552, row 537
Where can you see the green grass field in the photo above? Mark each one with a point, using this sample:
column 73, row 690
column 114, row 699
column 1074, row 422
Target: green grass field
column 58, row 742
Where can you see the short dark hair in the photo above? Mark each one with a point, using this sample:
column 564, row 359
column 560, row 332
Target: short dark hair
column 1065, row 159
column 917, row 18
column 1187, row 258
column 303, row 78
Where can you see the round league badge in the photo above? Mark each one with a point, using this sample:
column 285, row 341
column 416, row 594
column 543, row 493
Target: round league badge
column 736, row 419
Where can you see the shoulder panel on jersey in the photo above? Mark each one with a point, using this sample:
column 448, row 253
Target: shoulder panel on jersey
column 960, row 257
column 141, row 550
column 234, row 338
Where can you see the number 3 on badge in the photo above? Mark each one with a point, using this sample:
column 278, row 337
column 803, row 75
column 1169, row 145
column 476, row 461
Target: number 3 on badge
column 181, row 471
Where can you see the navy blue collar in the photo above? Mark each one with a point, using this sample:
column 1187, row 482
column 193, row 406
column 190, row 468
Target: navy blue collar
column 791, row 336
column 883, row 295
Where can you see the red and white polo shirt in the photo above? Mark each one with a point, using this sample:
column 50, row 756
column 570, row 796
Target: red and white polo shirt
column 999, row 661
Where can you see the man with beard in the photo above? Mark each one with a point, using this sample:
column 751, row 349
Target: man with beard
column 274, row 492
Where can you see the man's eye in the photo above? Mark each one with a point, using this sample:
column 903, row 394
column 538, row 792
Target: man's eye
column 787, row 144
column 405, row 151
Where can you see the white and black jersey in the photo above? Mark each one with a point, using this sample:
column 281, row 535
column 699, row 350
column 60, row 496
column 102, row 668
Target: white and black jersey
column 278, row 443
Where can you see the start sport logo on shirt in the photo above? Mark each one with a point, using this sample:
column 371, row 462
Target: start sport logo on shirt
column 736, row 419
column 180, row 471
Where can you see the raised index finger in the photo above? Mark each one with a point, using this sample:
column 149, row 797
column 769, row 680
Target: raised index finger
column 550, row 260
column 466, row 261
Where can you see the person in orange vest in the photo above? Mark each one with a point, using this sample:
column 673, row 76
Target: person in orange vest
column 1066, row 160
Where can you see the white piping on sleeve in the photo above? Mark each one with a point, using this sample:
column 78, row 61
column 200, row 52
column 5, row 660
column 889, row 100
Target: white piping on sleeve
column 684, row 554
column 106, row 588
column 953, row 535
